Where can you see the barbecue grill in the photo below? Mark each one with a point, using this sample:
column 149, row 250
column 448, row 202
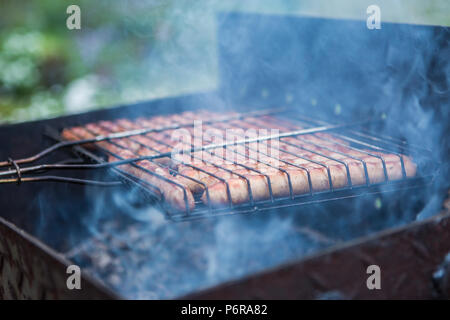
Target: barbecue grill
column 264, row 87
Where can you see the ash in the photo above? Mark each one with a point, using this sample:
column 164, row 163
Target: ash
column 160, row 259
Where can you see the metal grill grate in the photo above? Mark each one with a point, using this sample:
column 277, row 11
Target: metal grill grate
column 304, row 148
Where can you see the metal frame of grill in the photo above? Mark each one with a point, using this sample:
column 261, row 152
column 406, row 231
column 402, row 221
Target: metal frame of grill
column 423, row 245
column 357, row 141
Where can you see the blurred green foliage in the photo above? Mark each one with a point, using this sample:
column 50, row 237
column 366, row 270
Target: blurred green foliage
column 126, row 51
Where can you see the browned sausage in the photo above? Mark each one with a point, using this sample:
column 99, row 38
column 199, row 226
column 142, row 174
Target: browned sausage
column 173, row 194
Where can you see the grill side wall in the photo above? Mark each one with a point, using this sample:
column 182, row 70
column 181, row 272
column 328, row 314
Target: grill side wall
column 31, row 270
column 408, row 258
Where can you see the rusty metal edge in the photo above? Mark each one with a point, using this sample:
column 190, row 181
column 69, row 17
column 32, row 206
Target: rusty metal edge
column 29, row 250
column 312, row 277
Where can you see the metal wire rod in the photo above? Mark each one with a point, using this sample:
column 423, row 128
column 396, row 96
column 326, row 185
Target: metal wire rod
column 19, row 180
column 125, row 134
column 264, row 138
column 17, row 170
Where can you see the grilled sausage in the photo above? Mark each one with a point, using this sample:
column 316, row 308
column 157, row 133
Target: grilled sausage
column 174, row 193
column 305, row 163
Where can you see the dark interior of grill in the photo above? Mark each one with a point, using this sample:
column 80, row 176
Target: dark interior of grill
column 121, row 235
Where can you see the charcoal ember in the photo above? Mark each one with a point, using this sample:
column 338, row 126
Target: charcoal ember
column 165, row 260
column 102, row 260
column 115, row 280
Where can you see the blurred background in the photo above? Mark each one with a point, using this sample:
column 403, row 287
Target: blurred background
column 130, row 50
